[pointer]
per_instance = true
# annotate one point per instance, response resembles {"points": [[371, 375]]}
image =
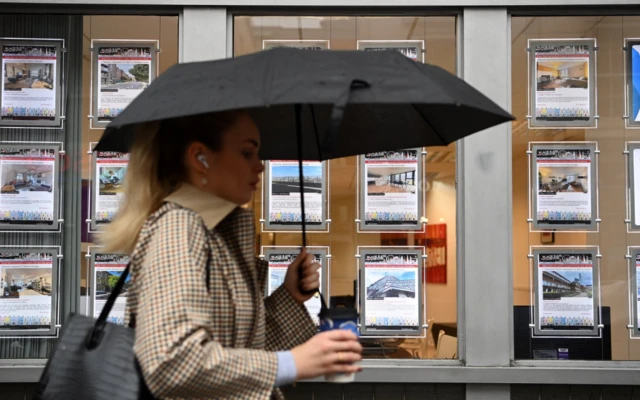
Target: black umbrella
{"points": [[318, 105]]}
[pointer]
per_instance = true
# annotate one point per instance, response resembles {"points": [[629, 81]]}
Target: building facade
{"points": [[521, 230]]}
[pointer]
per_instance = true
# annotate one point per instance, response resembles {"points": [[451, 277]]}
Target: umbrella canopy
{"points": [[349, 102], [311, 105]]}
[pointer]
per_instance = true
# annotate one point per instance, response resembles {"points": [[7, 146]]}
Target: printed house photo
{"points": [[28, 76], [391, 180], [389, 283], [18, 178], [112, 179], [123, 76], [106, 281], [552, 180], [568, 74], [18, 283], [557, 285], [285, 179]]}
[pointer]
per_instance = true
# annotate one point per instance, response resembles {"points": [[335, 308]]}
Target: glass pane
{"points": [[128, 61], [557, 187], [436, 35]]}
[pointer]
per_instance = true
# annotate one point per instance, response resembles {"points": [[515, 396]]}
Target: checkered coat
{"points": [[218, 345]]}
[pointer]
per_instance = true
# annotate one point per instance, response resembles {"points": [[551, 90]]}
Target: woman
{"points": [[203, 327]]}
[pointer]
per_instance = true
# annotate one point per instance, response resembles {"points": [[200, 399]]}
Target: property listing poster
{"points": [[391, 195], [124, 74], [110, 170], [28, 185], [634, 83], [392, 297], [563, 181], [635, 154], [29, 83], [637, 292], [278, 264], [562, 82], [284, 192], [565, 291], [26, 283], [316, 45], [410, 49], [107, 270]]}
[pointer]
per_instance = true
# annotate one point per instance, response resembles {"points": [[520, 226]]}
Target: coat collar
{"points": [[212, 209]]}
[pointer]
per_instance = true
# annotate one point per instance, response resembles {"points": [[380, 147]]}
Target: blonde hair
{"points": [[156, 168]]}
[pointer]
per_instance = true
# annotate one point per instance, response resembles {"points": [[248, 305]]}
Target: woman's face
{"points": [[234, 171]]}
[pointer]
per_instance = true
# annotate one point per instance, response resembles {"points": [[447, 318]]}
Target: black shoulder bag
{"points": [[94, 359]]}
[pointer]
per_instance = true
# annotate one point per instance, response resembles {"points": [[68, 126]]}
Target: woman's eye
{"points": [[247, 154]]}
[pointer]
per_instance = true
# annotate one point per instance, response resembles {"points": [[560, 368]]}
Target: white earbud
{"points": [[203, 160]]}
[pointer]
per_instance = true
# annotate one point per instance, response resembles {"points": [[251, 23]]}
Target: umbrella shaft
{"points": [[298, 109]]}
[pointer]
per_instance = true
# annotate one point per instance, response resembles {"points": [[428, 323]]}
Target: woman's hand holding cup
{"points": [[327, 353]]}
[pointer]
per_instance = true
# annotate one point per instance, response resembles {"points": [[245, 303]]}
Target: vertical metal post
{"points": [[485, 185]]}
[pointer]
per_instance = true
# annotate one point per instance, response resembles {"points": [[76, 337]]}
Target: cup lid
{"points": [[339, 313]]}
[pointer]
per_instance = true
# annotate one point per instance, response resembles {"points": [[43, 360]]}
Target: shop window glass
{"points": [[425, 39], [574, 80], [121, 55]]}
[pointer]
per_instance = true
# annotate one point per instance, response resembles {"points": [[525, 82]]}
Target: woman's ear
{"points": [[198, 157]]}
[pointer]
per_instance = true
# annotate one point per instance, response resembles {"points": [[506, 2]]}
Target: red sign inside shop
{"points": [[434, 239]]}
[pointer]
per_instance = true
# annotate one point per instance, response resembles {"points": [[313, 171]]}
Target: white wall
{"points": [[441, 208]]}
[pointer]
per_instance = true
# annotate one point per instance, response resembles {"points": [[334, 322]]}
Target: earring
{"points": [[203, 181]]}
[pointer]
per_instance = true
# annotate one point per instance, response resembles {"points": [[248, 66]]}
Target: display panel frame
{"points": [[594, 252], [56, 188], [633, 261], [594, 221], [56, 257], [537, 123], [361, 296], [633, 212], [325, 262], [59, 83], [96, 46], [630, 113], [363, 45], [96, 225], [361, 211], [322, 227], [268, 44], [93, 253]]}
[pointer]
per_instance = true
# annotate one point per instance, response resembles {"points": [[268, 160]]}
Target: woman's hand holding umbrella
{"points": [[303, 278]]}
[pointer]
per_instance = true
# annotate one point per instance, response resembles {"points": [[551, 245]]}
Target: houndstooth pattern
{"points": [[217, 345]]}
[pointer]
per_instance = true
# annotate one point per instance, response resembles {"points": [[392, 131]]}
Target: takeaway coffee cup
{"points": [[339, 318]]}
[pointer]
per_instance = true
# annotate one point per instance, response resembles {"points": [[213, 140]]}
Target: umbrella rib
{"points": [[426, 120]]}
